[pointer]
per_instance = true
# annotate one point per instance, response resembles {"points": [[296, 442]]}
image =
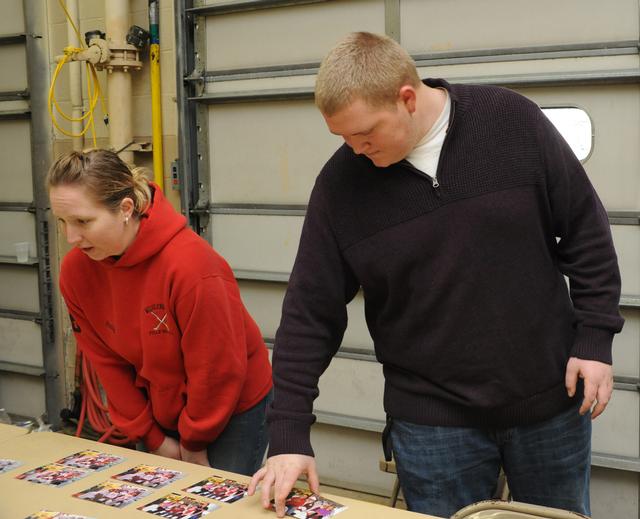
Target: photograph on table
{"points": [[175, 506], [113, 493], [304, 504], [219, 488], [48, 514], [90, 459], [53, 474], [6, 465], [149, 476]]}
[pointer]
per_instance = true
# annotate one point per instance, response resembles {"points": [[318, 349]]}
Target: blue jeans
{"points": [[443, 469], [241, 446]]}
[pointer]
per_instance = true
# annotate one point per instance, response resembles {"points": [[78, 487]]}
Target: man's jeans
{"points": [[443, 469]]}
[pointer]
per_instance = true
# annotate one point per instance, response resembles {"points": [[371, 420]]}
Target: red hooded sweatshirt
{"points": [[167, 333]]}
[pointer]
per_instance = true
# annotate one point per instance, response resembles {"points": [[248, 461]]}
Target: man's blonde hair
{"points": [[367, 66]]}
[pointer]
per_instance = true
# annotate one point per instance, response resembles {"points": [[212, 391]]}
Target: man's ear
{"points": [[408, 97]]}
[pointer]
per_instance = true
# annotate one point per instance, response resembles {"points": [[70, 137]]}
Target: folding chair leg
{"points": [[502, 489], [394, 493]]}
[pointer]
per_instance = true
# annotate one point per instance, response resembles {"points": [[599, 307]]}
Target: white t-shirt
{"points": [[426, 153]]}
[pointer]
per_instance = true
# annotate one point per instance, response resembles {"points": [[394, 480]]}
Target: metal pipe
{"points": [[75, 77], [187, 131], [156, 99], [41, 157], [119, 81]]}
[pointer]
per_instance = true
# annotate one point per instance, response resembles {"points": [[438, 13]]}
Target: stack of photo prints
{"points": [[140, 481]]}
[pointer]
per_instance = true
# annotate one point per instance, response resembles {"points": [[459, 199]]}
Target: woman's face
{"points": [[90, 226]]}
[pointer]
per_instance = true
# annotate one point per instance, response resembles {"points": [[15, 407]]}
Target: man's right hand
{"points": [[281, 472], [169, 448]]}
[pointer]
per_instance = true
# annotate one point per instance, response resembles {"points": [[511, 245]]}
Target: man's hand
{"points": [[169, 448], [598, 383], [197, 457], [282, 472]]}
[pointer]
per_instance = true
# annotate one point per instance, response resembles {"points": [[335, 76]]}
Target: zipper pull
{"points": [[435, 183]]}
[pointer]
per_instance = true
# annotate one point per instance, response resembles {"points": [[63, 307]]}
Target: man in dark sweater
{"points": [[458, 210]]}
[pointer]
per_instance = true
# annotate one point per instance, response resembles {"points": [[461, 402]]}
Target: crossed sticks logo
{"points": [[159, 318]]}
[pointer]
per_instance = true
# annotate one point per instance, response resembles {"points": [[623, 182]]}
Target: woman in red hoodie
{"points": [[158, 314]]}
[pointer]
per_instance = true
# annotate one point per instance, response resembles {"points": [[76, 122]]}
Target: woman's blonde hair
{"points": [[107, 178], [363, 66]]}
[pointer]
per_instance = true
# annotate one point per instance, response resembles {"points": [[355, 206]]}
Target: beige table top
{"points": [[8, 432], [19, 498]]}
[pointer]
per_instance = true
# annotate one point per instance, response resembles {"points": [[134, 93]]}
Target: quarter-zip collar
{"points": [[455, 101]]}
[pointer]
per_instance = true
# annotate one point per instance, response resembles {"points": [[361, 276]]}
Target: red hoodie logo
{"points": [[159, 316]]}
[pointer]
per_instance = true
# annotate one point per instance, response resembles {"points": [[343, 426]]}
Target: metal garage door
{"points": [[252, 144], [29, 375]]}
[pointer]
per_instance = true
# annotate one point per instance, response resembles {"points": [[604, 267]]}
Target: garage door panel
{"points": [[284, 165], [22, 394], [15, 157], [264, 303], [16, 227], [12, 19], [626, 354], [21, 342], [614, 493], [289, 145], [613, 164], [428, 26], [353, 388], [348, 458], [14, 59], [502, 66], [626, 239], [19, 288], [257, 242], [616, 430], [228, 88], [274, 33]]}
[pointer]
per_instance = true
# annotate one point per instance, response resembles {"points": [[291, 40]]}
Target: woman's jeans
{"points": [[241, 446], [443, 469]]}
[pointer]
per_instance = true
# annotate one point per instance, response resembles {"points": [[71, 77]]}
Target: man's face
{"points": [[384, 134]]}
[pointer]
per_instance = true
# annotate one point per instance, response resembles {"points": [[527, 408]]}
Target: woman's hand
{"points": [[169, 448], [197, 457]]}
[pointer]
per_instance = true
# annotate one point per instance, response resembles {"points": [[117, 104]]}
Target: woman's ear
{"points": [[127, 207]]}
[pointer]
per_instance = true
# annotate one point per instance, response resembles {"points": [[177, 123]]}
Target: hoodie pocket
{"points": [[167, 403]]}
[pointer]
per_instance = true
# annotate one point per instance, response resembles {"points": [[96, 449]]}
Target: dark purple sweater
{"points": [[464, 292]]}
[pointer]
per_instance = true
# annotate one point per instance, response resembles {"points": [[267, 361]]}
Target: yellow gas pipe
{"points": [[156, 100]]}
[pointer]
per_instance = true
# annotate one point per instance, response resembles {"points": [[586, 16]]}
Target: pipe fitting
{"points": [[123, 57], [97, 53]]}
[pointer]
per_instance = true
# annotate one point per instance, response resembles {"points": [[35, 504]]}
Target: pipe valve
{"points": [[138, 37]]}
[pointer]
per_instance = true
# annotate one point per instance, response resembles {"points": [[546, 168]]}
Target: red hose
{"points": [[93, 406]]}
